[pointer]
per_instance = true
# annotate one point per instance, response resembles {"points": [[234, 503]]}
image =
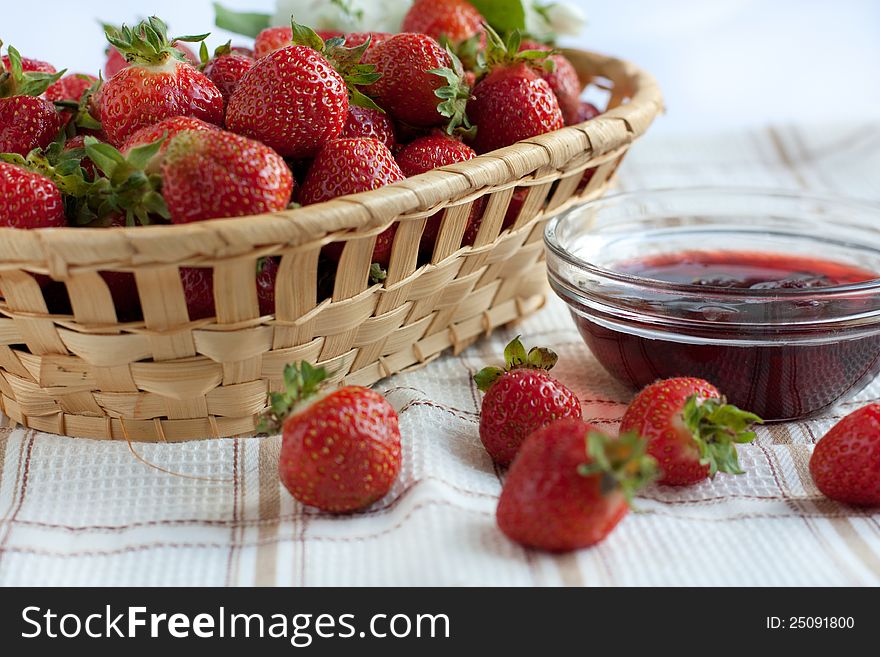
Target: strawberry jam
{"points": [[783, 336]]}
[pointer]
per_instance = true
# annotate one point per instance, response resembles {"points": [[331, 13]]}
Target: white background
{"points": [[721, 63]]}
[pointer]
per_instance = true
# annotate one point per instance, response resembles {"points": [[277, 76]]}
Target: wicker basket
{"points": [[169, 379]]}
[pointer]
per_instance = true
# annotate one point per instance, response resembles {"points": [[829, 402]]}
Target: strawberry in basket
{"points": [[340, 450], [451, 20], [156, 85], [296, 99], [27, 121], [512, 102]]}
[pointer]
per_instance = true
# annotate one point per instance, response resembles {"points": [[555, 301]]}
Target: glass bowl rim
{"points": [[553, 245]]}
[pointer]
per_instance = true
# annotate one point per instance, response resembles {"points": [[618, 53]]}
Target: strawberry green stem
{"points": [[516, 357], [301, 382], [623, 463], [717, 427]]}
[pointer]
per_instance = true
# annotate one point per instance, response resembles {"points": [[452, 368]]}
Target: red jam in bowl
{"points": [[771, 355]]}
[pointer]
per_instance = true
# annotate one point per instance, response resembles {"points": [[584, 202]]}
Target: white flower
{"points": [[343, 15], [556, 18]]}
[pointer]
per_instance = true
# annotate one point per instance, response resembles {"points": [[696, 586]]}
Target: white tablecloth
{"points": [[85, 512]]}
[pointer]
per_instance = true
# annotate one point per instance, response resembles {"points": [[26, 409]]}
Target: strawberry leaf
{"points": [[301, 382], [18, 82], [486, 377], [306, 36], [455, 95], [622, 463], [515, 354], [717, 427]]}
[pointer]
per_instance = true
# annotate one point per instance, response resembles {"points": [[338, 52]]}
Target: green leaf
{"points": [[356, 97], [717, 427], [515, 354], [140, 156], [486, 377], [542, 358], [241, 22], [301, 381], [377, 274], [503, 15], [306, 36]]}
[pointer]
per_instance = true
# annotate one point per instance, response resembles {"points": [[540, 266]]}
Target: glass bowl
{"points": [[784, 354]]}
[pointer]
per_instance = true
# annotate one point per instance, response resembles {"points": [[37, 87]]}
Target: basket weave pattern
{"points": [[168, 379]]}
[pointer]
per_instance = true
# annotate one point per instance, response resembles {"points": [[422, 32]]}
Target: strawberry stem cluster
{"points": [[623, 462], [516, 357], [148, 42], [302, 381], [717, 428]]}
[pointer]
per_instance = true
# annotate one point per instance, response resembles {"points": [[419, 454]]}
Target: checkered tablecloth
{"points": [[80, 512]]}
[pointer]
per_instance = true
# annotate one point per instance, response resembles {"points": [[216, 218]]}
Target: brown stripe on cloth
{"points": [[270, 511], [20, 488], [800, 455]]}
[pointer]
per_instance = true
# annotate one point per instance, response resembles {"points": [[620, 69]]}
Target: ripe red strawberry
{"points": [[845, 464], [563, 79], [212, 174], [690, 429], [349, 166], [512, 102], [586, 111], [157, 84], [340, 452], [272, 39], [26, 121], [421, 84], [28, 200], [370, 124], [570, 485], [455, 20], [294, 99], [29, 65], [431, 152], [226, 69], [198, 289], [520, 399], [167, 128]]}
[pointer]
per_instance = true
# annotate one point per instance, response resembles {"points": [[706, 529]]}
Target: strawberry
{"points": [[28, 200], [211, 174], [157, 84], [690, 429], [349, 166], [563, 79], [198, 289], [226, 69], [421, 84], [845, 464], [29, 65], [431, 152], [26, 121], [520, 398], [369, 123], [570, 485], [70, 89], [167, 128], [294, 99], [272, 39], [586, 111], [340, 451], [512, 102], [453, 20]]}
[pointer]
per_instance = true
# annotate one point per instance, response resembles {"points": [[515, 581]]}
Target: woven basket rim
{"points": [[51, 248]]}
